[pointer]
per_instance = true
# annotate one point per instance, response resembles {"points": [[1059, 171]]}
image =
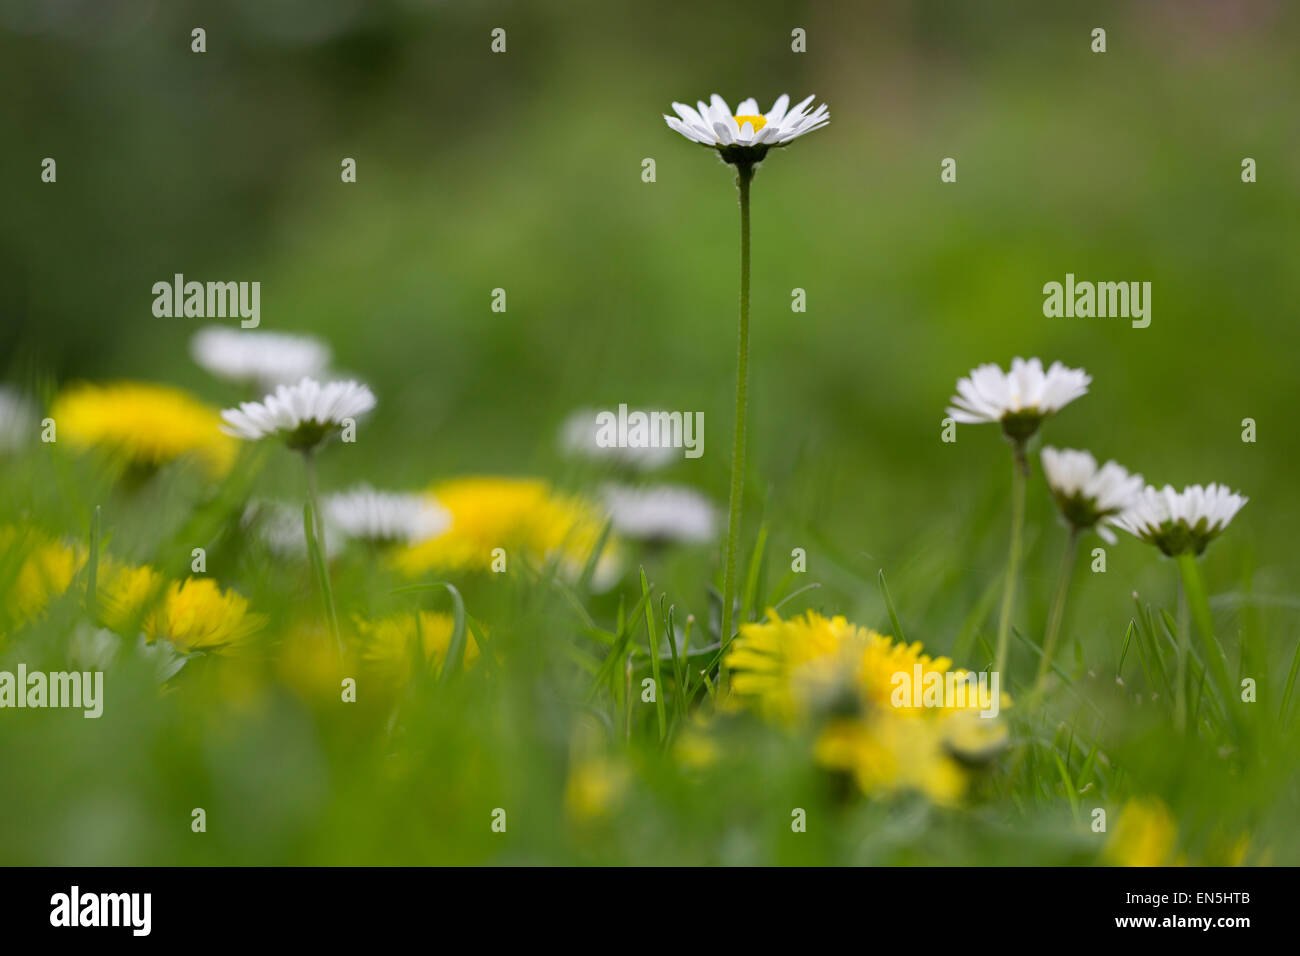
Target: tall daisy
{"points": [[1089, 498], [304, 416], [1020, 401], [742, 139], [1182, 524]]}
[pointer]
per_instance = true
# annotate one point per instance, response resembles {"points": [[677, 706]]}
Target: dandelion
{"points": [[660, 513], [386, 517], [47, 569], [193, 615], [813, 668], [393, 646], [258, 358], [1089, 499], [1146, 834], [1018, 400], [578, 438], [17, 420], [494, 517], [304, 416], [1182, 525], [742, 139], [147, 425]]}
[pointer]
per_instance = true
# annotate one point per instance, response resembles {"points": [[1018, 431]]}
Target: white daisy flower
{"points": [[386, 516], [279, 526], [17, 420], [1020, 399], [747, 134], [660, 513], [578, 437], [1089, 497], [1179, 522], [303, 415], [264, 359]]}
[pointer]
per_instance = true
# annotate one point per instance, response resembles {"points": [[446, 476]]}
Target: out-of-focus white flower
{"points": [[302, 415], [748, 129], [661, 513], [264, 359], [1089, 497], [386, 516], [17, 420], [96, 648], [1180, 522], [1018, 400], [279, 526], [579, 438]]}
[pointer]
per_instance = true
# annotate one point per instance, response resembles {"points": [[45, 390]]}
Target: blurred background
{"points": [[522, 171]]}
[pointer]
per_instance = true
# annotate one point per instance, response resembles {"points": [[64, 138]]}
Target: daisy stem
{"points": [[1019, 477], [1057, 612], [1195, 598], [1184, 642], [744, 175], [316, 546]]}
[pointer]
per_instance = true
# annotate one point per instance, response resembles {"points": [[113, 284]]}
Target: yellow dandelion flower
{"points": [[308, 661], [148, 425], [126, 593], [47, 570], [197, 615], [892, 755], [388, 644], [595, 788], [517, 514], [1146, 834]]}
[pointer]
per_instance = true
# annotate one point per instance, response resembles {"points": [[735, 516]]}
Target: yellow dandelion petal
{"points": [[388, 644], [1145, 834], [197, 615]]}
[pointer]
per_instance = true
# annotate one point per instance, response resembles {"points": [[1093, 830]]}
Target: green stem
{"points": [[1184, 649], [744, 174], [1198, 602], [1019, 476], [1057, 612], [316, 545]]}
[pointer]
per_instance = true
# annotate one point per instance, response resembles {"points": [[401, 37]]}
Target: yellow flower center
{"points": [[758, 121]]}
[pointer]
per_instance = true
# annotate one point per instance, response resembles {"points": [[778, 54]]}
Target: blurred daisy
{"points": [[747, 134], [578, 437], [386, 516], [1089, 497], [1181, 522], [263, 359], [1018, 400], [302, 415], [279, 526], [17, 420], [660, 513], [94, 648], [148, 425]]}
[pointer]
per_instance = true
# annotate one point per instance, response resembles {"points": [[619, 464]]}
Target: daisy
{"points": [[264, 359], [279, 525], [1089, 497], [578, 437], [746, 135], [17, 420], [303, 415], [660, 513], [742, 139], [1020, 399], [387, 516], [1181, 522]]}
